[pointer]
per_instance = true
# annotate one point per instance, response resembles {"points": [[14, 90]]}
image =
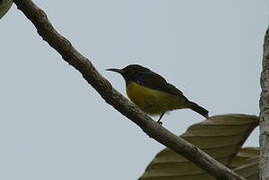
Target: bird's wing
{"points": [[155, 81]]}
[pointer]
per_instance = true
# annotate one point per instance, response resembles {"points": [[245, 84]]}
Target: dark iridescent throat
{"points": [[136, 77]]}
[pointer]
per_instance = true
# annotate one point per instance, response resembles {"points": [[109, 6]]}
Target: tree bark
{"points": [[118, 101], [264, 112]]}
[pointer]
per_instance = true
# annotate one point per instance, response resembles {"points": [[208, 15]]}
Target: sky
{"points": [[53, 125]]}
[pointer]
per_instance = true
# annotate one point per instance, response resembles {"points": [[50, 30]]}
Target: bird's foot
{"points": [[159, 120]]}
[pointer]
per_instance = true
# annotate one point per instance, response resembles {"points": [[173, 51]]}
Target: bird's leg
{"points": [[159, 120]]}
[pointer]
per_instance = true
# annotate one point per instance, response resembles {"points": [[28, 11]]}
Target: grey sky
{"points": [[53, 125]]}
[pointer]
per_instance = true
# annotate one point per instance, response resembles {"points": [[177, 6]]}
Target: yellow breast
{"points": [[152, 101]]}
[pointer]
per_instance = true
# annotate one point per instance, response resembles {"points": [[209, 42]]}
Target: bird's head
{"points": [[131, 72]]}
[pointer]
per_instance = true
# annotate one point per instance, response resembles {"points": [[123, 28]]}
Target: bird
{"points": [[153, 94]]}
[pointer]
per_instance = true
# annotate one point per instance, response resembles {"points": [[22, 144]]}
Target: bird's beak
{"points": [[116, 70]]}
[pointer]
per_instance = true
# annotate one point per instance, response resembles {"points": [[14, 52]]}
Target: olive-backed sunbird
{"points": [[152, 93]]}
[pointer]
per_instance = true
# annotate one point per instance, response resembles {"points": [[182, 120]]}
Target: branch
{"points": [[264, 112], [118, 101]]}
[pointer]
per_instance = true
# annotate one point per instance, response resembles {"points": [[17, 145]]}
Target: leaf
{"points": [[4, 7], [220, 136], [246, 163]]}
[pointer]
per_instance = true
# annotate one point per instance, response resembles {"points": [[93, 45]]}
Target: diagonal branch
{"points": [[118, 101]]}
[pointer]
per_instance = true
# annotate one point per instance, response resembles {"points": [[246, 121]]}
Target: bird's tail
{"points": [[195, 107]]}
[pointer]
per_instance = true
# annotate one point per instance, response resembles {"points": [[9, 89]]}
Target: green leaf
{"points": [[4, 7], [246, 163], [220, 136]]}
